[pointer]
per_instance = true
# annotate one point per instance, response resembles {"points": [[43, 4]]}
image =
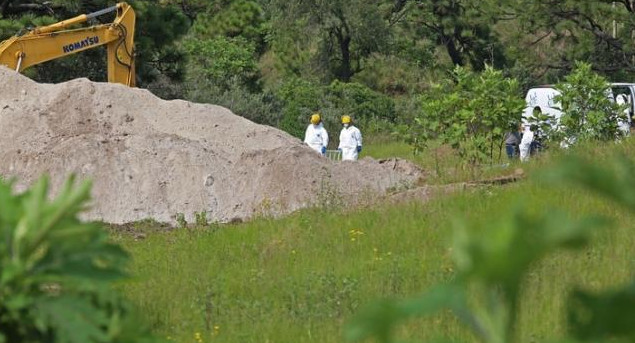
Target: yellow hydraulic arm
{"points": [[54, 41]]}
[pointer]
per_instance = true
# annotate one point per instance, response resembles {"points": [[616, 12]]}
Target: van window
{"points": [[625, 91], [626, 96]]}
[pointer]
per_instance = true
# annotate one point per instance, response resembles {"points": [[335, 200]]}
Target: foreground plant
{"points": [[606, 315], [491, 263], [56, 272]]}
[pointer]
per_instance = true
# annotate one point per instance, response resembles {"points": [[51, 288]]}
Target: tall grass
{"points": [[300, 278], [440, 161]]}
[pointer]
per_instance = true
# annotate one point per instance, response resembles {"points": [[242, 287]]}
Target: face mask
{"points": [[345, 125]]}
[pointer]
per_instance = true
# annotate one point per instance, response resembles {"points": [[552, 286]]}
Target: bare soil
{"points": [[150, 158]]}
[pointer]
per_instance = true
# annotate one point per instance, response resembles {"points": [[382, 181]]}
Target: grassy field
{"points": [[301, 278]]}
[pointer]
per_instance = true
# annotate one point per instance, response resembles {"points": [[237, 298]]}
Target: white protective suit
{"points": [[525, 143], [316, 137], [350, 139], [624, 125]]}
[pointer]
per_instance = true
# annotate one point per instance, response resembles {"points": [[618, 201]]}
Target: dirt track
{"points": [[151, 158]]}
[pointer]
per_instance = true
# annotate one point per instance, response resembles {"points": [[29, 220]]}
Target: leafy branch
{"points": [[56, 272]]}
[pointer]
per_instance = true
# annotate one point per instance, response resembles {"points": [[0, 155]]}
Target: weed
{"points": [[329, 197], [180, 220], [201, 218], [401, 186]]}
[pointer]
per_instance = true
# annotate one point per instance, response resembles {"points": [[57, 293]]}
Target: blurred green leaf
{"points": [[379, 319], [604, 315], [56, 272], [75, 320], [501, 252], [492, 259], [614, 179]]}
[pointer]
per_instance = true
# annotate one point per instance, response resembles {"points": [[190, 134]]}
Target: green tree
{"points": [[360, 102], [223, 47], [158, 28], [471, 114], [463, 28], [224, 71], [397, 76], [551, 35], [300, 98], [191, 8], [220, 60], [13, 8], [342, 33], [588, 112], [242, 18]]}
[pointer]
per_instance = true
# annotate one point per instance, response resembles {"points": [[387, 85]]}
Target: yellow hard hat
{"points": [[346, 119], [315, 118]]}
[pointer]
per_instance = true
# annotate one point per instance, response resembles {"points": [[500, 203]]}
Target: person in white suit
{"points": [[624, 124], [350, 140], [525, 142], [316, 136]]}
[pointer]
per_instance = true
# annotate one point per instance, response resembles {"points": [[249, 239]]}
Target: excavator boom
{"points": [[55, 41]]}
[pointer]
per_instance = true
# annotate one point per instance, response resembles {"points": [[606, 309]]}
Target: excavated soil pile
{"points": [[150, 158]]}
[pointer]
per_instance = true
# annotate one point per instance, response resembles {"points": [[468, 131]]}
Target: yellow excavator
{"points": [[57, 40]]}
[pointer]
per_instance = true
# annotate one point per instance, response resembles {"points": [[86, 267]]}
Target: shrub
{"points": [[299, 99], [259, 107], [395, 75], [360, 102], [220, 62]]}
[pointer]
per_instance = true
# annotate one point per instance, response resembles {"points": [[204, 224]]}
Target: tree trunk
{"points": [[455, 54], [346, 71], [442, 10], [3, 7]]}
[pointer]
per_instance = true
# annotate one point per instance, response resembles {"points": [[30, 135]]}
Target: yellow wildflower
{"points": [[354, 234]]}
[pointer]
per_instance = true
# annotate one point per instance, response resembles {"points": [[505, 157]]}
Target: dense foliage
{"points": [[246, 54]]}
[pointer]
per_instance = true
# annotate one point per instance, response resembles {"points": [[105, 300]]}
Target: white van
{"points": [[542, 97]]}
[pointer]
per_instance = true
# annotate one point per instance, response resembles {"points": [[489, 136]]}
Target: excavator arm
{"points": [[55, 41]]}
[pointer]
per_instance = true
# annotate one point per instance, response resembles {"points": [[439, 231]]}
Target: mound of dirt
{"points": [[150, 158]]}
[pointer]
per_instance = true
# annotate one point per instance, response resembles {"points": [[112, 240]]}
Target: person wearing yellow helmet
{"points": [[316, 136], [350, 140]]}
